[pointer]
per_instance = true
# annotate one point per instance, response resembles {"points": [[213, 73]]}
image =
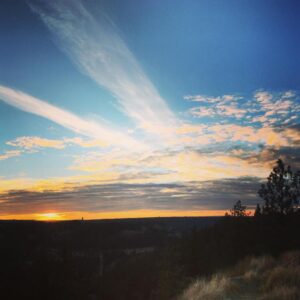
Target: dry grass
{"points": [[282, 293], [252, 267], [285, 276], [218, 287], [262, 278]]}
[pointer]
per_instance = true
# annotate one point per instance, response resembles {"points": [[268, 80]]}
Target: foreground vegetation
{"points": [[261, 278]]}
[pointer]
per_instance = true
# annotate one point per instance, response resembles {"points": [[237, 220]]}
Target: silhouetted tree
{"points": [[281, 192], [238, 210], [257, 212]]}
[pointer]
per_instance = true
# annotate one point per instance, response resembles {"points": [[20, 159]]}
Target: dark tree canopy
{"points": [[238, 210], [281, 192]]}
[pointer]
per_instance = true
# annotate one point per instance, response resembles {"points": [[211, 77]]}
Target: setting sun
{"points": [[49, 216]]}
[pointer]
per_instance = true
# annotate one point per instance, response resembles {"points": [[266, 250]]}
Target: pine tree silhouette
{"points": [[238, 210], [257, 212], [281, 192]]}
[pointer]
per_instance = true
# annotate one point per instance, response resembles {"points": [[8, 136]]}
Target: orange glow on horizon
{"points": [[52, 216], [77, 215]]}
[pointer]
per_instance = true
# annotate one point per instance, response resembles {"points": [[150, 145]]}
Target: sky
{"points": [[119, 109]]}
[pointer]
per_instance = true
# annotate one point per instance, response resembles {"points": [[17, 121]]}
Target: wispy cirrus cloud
{"points": [[35, 142], [89, 128], [95, 46], [10, 154]]}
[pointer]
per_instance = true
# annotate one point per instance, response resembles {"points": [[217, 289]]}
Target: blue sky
{"points": [[162, 99]]}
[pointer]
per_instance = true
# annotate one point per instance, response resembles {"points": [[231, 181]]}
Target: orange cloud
{"points": [[33, 142]]}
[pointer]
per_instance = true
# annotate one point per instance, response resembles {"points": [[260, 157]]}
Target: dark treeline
{"points": [[140, 259], [112, 259]]}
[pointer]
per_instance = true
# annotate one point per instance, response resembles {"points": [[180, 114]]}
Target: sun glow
{"points": [[143, 213], [52, 216]]}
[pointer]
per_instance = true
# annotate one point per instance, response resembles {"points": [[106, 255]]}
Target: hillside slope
{"points": [[262, 278]]}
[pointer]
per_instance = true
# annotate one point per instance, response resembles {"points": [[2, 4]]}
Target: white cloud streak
{"points": [[35, 142], [10, 154], [95, 46], [66, 119]]}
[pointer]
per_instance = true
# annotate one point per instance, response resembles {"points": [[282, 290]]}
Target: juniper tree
{"points": [[281, 192]]}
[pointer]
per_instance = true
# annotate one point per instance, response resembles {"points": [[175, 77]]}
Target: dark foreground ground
{"points": [[154, 258], [101, 259]]}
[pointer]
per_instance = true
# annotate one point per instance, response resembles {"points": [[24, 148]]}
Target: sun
{"points": [[52, 216]]}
